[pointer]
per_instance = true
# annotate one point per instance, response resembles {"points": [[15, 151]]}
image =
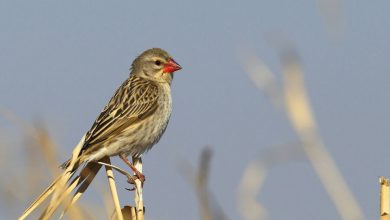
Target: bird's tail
{"points": [[60, 180], [66, 164], [61, 187]]}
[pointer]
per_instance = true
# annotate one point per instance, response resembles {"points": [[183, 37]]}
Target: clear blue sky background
{"points": [[62, 61]]}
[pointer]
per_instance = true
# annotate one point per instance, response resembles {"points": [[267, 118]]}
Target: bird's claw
{"points": [[139, 176]]}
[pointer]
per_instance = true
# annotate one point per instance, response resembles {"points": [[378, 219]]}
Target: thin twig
{"points": [[120, 170]]}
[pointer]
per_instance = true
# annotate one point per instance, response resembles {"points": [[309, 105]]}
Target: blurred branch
{"points": [[39, 145], [254, 176], [46, 147], [208, 207], [298, 110], [261, 75], [201, 185], [250, 186]]}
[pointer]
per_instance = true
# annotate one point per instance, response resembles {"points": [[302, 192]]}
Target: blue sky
{"points": [[62, 60]]}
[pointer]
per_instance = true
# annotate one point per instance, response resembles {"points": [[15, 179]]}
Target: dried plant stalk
{"points": [[384, 198], [138, 198], [128, 213], [114, 193]]}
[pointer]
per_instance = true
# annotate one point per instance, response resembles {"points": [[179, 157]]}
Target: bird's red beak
{"points": [[171, 66]]}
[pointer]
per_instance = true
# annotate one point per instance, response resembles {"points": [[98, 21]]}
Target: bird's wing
{"points": [[134, 100]]}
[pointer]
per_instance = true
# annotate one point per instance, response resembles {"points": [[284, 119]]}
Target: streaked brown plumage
{"points": [[131, 123], [137, 115]]}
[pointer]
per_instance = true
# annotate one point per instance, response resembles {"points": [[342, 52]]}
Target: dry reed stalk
{"points": [[384, 198], [114, 193], [129, 213], [138, 197]]}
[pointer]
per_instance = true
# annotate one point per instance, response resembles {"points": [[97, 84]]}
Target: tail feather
{"points": [[87, 174], [40, 199], [46, 193], [65, 164], [59, 182], [63, 197]]}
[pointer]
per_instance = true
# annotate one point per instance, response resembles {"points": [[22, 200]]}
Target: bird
{"points": [[130, 124], [136, 116]]}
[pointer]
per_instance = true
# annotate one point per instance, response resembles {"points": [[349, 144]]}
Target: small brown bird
{"points": [[137, 115], [131, 123]]}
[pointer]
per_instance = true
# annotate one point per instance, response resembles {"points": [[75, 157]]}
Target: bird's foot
{"points": [[141, 177], [138, 174], [131, 180]]}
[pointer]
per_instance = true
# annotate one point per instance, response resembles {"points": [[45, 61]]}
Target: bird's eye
{"points": [[157, 62]]}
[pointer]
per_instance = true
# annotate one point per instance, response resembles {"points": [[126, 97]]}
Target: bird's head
{"points": [[155, 64]]}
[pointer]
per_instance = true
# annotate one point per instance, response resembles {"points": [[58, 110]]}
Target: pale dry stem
{"points": [[138, 196], [384, 198], [114, 193]]}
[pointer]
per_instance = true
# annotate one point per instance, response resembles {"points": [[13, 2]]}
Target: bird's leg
{"points": [[138, 174]]}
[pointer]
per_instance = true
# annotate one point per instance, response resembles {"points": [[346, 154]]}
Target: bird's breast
{"points": [[151, 129]]}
